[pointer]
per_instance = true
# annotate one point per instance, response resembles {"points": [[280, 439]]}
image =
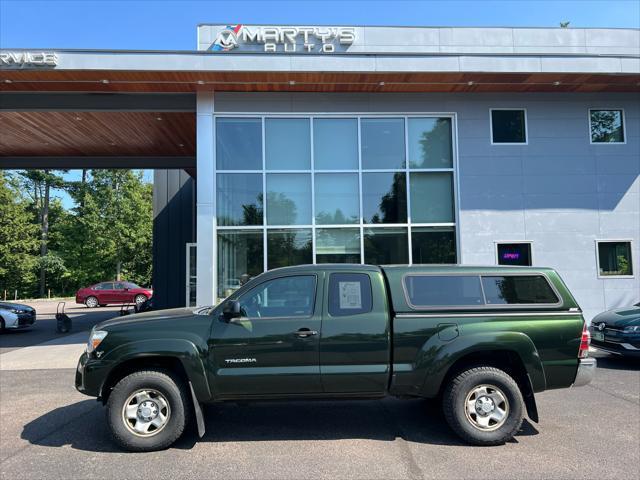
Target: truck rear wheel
{"points": [[148, 410], [484, 406]]}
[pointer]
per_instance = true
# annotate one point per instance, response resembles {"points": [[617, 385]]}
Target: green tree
{"points": [[110, 234], [38, 184], [18, 239]]}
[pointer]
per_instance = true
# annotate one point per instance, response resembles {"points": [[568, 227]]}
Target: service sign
{"points": [[10, 59], [285, 39]]}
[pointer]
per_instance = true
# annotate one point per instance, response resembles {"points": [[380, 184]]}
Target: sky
{"points": [[171, 25]]}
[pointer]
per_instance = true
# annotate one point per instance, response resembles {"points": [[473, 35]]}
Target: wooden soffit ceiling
{"points": [[97, 133], [170, 81]]}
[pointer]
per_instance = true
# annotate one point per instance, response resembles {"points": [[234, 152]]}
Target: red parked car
{"points": [[104, 293]]}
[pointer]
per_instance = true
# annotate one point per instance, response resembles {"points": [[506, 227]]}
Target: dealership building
{"points": [[284, 145]]}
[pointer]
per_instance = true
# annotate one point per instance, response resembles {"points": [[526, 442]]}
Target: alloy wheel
{"points": [[486, 407], [146, 412]]}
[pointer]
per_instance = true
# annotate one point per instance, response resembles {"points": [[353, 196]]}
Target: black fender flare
{"points": [[185, 351]]}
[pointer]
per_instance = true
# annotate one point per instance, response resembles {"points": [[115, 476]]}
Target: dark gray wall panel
{"points": [[173, 227]]}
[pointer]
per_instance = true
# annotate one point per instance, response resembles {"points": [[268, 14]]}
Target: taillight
{"points": [[583, 351]]}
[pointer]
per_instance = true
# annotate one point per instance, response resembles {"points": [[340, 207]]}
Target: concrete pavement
{"points": [[54, 354]]}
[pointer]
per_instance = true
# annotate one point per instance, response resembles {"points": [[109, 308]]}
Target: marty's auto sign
{"points": [[283, 39]]}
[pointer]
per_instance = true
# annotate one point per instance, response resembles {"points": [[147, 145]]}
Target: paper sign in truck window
{"points": [[350, 295]]}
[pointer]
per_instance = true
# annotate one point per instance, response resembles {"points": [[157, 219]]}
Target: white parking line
{"points": [[54, 354]]}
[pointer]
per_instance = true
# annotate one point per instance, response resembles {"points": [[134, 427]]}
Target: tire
{"points": [[162, 388], [91, 302], [1, 324], [140, 299], [479, 396]]}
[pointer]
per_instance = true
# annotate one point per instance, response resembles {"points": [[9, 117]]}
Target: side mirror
{"points": [[231, 310]]}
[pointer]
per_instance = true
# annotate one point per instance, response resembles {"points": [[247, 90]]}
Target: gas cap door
{"points": [[447, 331]]}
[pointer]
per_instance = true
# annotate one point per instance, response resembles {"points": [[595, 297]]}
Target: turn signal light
{"points": [[583, 352]]}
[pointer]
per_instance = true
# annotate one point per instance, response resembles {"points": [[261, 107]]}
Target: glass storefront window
{"points": [[239, 199], [287, 143], [431, 197], [288, 199], [384, 197], [433, 245], [335, 143], [382, 143], [238, 143], [337, 199], [386, 246], [430, 143], [338, 245], [192, 277], [275, 207], [240, 258], [286, 247]]}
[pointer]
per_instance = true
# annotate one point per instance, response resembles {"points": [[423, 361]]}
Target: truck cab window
{"points": [[281, 297], [349, 294]]}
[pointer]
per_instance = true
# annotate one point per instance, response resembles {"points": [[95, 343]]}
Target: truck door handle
{"points": [[305, 332]]}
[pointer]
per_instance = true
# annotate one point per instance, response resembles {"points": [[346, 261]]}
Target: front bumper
{"points": [[586, 371], [615, 341], [26, 319], [23, 320], [90, 374]]}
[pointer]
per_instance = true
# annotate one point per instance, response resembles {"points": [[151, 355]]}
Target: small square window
{"points": [[607, 126], [514, 254], [508, 126], [614, 259]]}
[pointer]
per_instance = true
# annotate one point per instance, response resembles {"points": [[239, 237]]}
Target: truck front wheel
{"points": [[148, 410], [484, 406]]}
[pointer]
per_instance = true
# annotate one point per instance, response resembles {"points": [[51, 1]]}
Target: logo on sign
{"points": [[284, 39], [227, 39]]}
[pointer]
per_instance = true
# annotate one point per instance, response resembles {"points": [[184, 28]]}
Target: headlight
{"points": [[95, 338], [632, 329], [15, 310]]}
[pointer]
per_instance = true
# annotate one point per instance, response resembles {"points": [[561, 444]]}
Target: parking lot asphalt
{"points": [[83, 319], [49, 430]]}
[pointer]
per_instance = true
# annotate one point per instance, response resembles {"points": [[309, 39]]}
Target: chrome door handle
{"points": [[305, 332]]}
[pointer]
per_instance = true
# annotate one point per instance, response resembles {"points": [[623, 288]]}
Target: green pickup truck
{"points": [[483, 340]]}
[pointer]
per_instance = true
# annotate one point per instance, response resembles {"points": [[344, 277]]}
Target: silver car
{"points": [[16, 315]]}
